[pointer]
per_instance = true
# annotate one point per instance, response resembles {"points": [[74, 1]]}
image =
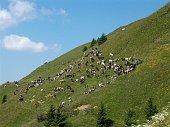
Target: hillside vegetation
{"points": [[146, 40]]}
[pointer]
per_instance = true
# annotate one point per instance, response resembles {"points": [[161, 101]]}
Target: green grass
{"points": [[147, 39]]}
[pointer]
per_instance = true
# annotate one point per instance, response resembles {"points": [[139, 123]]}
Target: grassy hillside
{"points": [[147, 39]]}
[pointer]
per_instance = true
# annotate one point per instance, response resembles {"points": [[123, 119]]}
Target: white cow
{"points": [[111, 54]]}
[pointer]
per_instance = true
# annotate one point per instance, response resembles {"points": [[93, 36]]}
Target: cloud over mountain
{"points": [[22, 43], [16, 12]]}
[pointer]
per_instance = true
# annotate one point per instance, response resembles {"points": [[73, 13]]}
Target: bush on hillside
{"points": [[102, 120], [130, 118], [41, 118], [56, 118], [102, 39], [151, 109], [93, 42], [85, 48], [4, 99]]}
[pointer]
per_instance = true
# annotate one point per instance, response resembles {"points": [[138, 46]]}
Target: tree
{"points": [[102, 39], [4, 99], [50, 117], [93, 42], [151, 109], [101, 116], [60, 119], [41, 118], [55, 119], [130, 118], [85, 48], [102, 120]]}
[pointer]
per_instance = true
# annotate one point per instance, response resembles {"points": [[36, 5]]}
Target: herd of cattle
{"points": [[92, 64]]}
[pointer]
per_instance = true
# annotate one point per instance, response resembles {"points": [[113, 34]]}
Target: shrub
{"points": [[130, 118], [102, 120], [85, 48], [102, 39], [151, 109], [55, 118], [4, 99], [93, 42], [41, 118]]}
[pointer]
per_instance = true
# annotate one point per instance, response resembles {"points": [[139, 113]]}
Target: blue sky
{"points": [[35, 31]]}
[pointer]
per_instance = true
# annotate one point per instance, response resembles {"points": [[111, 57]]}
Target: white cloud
{"points": [[21, 43], [45, 11], [6, 20], [60, 11], [24, 10], [17, 11], [55, 48]]}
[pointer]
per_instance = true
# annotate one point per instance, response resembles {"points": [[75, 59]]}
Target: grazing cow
{"points": [[37, 84], [106, 76], [78, 70], [68, 75], [110, 62], [86, 63], [92, 59], [126, 59], [16, 85], [70, 66], [72, 80], [54, 78], [100, 85], [61, 105], [48, 95], [100, 54], [82, 79], [123, 29], [107, 67], [103, 71], [113, 77], [32, 100], [97, 68], [93, 88], [98, 62], [91, 65], [79, 65], [107, 83], [62, 81], [21, 98], [111, 55], [69, 99], [93, 73], [38, 103], [58, 89]]}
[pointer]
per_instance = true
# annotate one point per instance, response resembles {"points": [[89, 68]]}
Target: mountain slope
{"points": [[147, 39]]}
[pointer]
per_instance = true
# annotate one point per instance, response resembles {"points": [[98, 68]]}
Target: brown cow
{"points": [[61, 81]]}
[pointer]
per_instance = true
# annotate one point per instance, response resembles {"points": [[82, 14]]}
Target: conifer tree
{"points": [[102, 39], [130, 118], [55, 119], [85, 48], [50, 117], [102, 120], [93, 42], [151, 109]]}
